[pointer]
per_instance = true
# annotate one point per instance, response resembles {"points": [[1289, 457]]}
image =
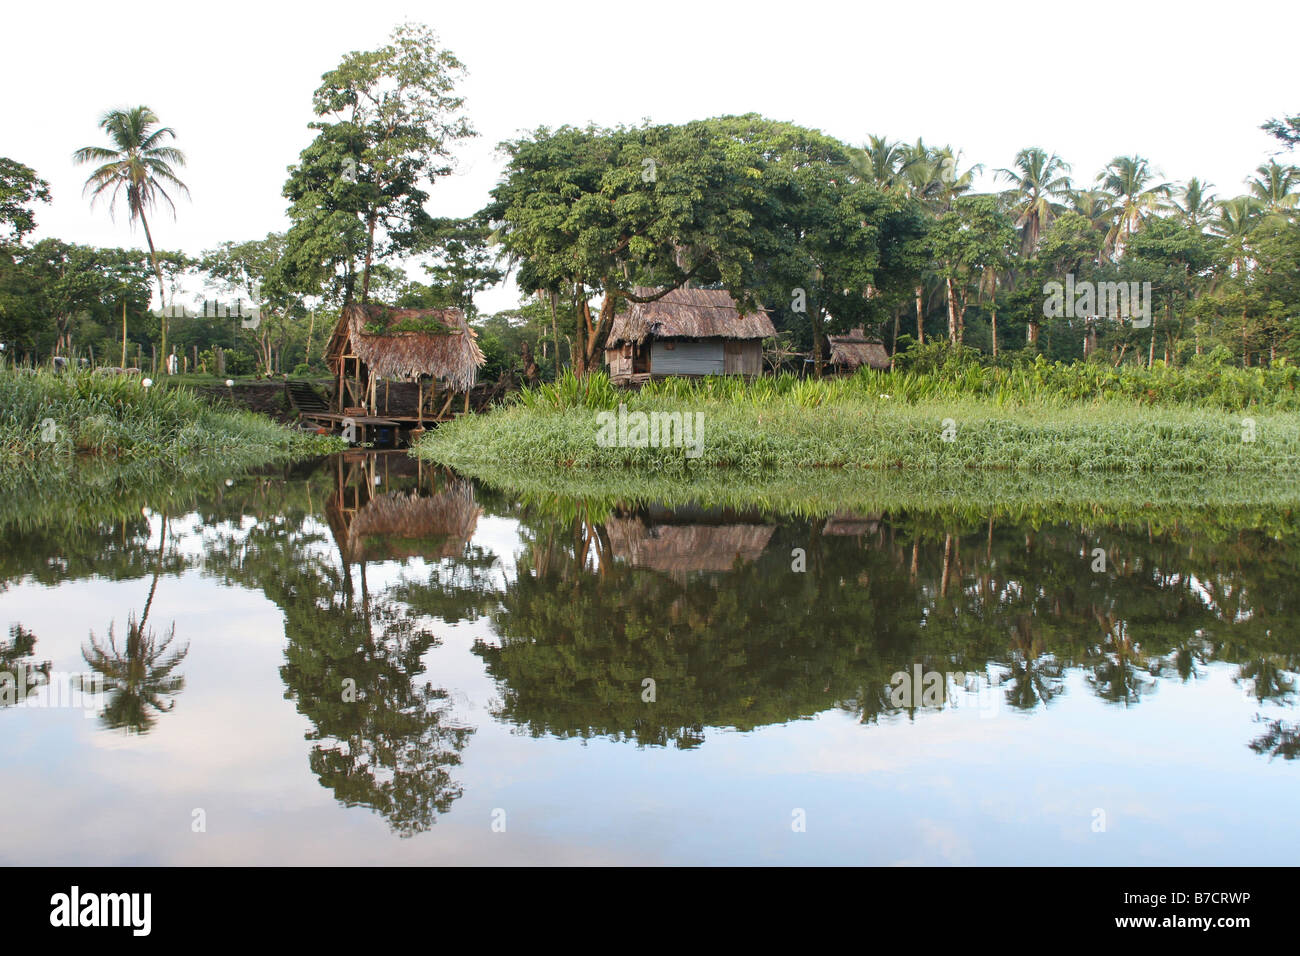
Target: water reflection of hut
{"points": [[848, 524], [680, 549], [372, 522]]}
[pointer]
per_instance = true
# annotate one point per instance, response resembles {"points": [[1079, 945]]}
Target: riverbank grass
{"points": [[854, 424], [54, 423]]}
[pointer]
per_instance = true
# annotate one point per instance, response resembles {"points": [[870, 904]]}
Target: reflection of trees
{"points": [[15, 666], [381, 737], [1035, 674], [702, 601], [601, 602], [138, 676], [740, 648], [1281, 738], [1116, 672]]}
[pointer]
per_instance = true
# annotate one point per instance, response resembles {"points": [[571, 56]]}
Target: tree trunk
{"points": [[162, 289], [819, 338], [994, 313], [920, 315], [370, 254], [311, 328], [1245, 342], [893, 350], [555, 330], [599, 335], [952, 311]]}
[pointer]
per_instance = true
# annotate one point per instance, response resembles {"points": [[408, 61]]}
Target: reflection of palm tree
{"points": [[1115, 677], [1035, 674], [1281, 739], [1268, 677], [138, 675], [20, 645]]}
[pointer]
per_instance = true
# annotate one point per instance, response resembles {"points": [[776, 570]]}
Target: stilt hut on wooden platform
{"points": [[374, 346], [851, 352], [688, 332]]}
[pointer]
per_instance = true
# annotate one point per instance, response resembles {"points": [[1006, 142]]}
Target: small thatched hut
{"points": [[852, 351], [373, 343], [686, 332]]}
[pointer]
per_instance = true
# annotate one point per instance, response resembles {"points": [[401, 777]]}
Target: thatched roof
{"points": [[403, 344], [688, 314], [403, 524], [855, 350], [687, 547]]}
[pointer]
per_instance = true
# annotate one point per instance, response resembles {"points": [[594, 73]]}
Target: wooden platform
{"points": [[392, 421]]}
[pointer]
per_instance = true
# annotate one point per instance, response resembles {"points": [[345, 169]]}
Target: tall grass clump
{"points": [[57, 421]]}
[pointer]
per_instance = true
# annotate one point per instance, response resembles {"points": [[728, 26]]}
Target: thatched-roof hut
{"points": [[374, 342], [687, 332], [855, 350]]}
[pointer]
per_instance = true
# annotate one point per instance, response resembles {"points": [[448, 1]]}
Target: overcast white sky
{"points": [[1183, 84]]}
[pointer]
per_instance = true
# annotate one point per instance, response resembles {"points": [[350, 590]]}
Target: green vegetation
{"points": [[53, 425], [1038, 419]]}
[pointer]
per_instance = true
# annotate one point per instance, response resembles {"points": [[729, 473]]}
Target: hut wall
{"points": [[619, 360], [742, 357], [686, 357]]}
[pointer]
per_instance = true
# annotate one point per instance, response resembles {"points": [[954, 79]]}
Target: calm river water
{"points": [[366, 660]]}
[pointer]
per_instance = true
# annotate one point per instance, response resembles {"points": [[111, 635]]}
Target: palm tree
{"points": [[932, 176], [138, 161], [1041, 180], [1132, 182], [1197, 205], [1097, 207], [1274, 187], [882, 162], [1234, 223]]}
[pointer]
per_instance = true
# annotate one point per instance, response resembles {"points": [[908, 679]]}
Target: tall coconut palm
{"points": [[138, 161], [933, 175], [882, 162], [1196, 205], [1236, 220], [1098, 207], [1275, 189], [1137, 194], [1041, 181]]}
